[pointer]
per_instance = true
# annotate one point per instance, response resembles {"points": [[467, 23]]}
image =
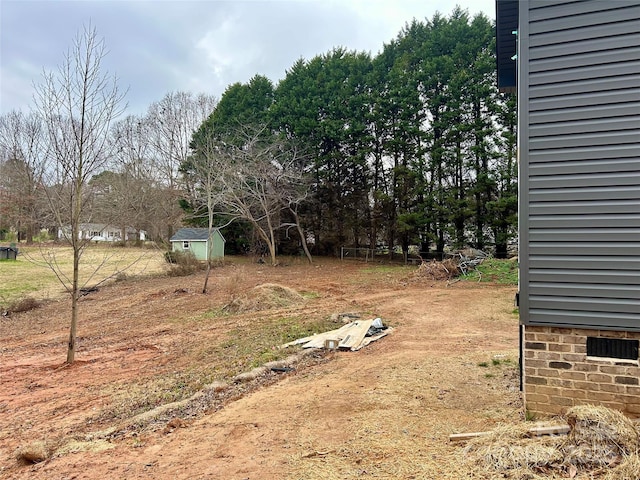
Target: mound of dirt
{"points": [[265, 297]]}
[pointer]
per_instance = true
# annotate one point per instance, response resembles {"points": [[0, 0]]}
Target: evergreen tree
{"points": [[325, 104]]}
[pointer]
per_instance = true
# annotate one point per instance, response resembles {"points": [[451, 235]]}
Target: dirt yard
{"points": [[385, 412]]}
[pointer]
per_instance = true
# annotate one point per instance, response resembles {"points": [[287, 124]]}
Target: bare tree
{"points": [[172, 122], [21, 142], [293, 197], [78, 104], [261, 179], [203, 175], [126, 191]]}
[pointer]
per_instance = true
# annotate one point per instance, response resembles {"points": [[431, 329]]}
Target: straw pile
{"points": [[601, 443], [508, 448], [35, 452], [599, 437], [264, 297]]}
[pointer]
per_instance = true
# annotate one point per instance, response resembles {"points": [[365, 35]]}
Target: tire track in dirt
{"points": [[422, 379]]}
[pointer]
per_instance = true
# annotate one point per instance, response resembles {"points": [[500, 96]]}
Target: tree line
{"points": [[411, 146], [133, 182]]}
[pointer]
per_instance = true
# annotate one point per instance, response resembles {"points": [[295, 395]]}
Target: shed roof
{"points": [[193, 234]]}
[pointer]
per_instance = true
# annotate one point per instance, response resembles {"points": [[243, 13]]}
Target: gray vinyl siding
{"points": [[579, 147]]}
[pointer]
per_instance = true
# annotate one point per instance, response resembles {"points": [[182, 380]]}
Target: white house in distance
{"points": [[101, 232]]}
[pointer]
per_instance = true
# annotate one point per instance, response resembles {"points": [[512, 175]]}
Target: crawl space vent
{"points": [[612, 348]]}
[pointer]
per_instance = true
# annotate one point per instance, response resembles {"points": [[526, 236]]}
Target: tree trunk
{"points": [[75, 294], [71, 347], [501, 235], [440, 243], [206, 277], [303, 240], [272, 253], [269, 239]]}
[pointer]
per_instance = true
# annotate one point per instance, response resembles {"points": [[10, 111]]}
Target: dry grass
{"points": [[629, 469], [233, 284], [208, 398], [509, 448], [599, 437], [41, 451], [235, 357], [31, 274], [23, 305], [35, 452], [75, 446], [396, 433], [602, 443]]}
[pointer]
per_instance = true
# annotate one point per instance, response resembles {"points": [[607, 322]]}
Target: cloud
{"points": [[160, 46]]}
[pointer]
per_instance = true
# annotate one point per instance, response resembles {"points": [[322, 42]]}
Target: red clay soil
{"points": [[385, 411]]}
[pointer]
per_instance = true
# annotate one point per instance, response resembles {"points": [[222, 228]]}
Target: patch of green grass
{"points": [[238, 351], [252, 347], [502, 272], [30, 274], [497, 362], [309, 295], [132, 399], [383, 269], [19, 278], [217, 312]]}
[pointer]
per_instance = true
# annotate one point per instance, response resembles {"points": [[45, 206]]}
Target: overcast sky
{"points": [[159, 46]]}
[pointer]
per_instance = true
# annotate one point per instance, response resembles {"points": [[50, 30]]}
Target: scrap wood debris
{"points": [[468, 259], [597, 441], [351, 336], [457, 263]]}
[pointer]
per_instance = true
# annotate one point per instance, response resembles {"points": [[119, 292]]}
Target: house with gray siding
{"points": [[578, 93]]}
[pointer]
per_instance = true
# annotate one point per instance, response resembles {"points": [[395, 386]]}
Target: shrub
{"points": [[42, 236], [23, 305], [183, 263]]}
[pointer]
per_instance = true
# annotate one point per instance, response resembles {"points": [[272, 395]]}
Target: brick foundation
{"points": [[558, 374]]}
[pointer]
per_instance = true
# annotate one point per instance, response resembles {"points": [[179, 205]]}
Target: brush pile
{"points": [[435, 270], [456, 264], [601, 444]]}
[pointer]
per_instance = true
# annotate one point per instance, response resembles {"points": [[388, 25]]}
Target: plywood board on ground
{"points": [[356, 335]]}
